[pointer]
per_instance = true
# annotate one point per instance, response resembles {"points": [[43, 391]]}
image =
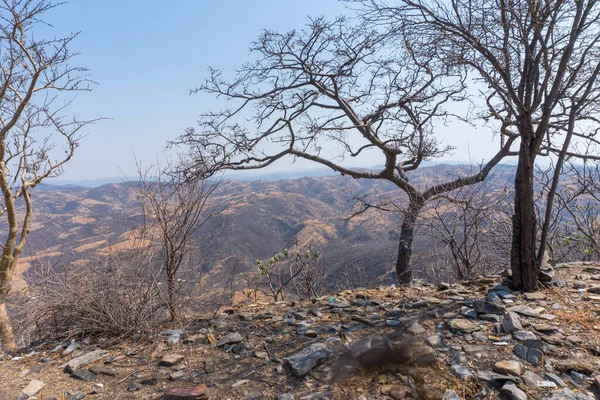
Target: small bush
{"points": [[115, 294]]}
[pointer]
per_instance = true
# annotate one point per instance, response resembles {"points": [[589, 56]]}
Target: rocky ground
{"points": [[471, 340]]}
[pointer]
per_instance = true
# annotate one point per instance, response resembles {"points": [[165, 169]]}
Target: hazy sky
{"points": [[146, 55]]}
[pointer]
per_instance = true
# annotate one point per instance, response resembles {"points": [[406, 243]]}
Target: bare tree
{"points": [[578, 210], [463, 221], [36, 139], [173, 211], [539, 63], [332, 92]]}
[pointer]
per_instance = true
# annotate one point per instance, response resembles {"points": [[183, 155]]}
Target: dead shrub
{"points": [[113, 294]]}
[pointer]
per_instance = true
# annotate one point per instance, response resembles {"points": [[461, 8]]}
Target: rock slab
{"points": [[305, 360], [186, 393], [33, 387], [86, 359]]}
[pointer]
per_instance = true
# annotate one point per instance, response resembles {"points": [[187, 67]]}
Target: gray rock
{"points": [[559, 282], [416, 329], [285, 396], [524, 335], [461, 325], [511, 322], [86, 359], [524, 310], [174, 336], [450, 395], [556, 379], [521, 350], [531, 379], [546, 274], [566, 394], [535, 356], [462, 372], [579, 285], [457, 358], [134, 387], [435, 341], [174, 376], [468, 312], [493, 297], [510, 391], [305, 360], [83, 375], [578, 378], [232, 338], [491, 318], [486, 307]]}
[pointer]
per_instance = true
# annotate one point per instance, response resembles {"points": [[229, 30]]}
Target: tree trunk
{"points": [[7, 339], [171, 297], [525, 270], [403, 267]]}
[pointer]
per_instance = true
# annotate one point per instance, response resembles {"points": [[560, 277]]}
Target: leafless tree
{"points": [[173, 211], [578, 210], [463, 221], [332, 92], [36, 139], [538, 64]]}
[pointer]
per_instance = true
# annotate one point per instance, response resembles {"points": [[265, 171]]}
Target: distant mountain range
{"points": [[74, 223]]}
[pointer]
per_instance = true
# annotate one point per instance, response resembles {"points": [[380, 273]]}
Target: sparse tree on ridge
{"points": [[36, 139], [173, 211], [538, 63], [333, 92]]}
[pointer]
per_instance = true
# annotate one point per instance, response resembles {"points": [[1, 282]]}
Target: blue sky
{"points": [[146, 55]]}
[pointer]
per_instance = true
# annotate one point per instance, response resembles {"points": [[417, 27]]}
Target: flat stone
{"points": [[524, 335], [416, 329], [232, 338], [479, 350], [511, 322], [512, 392], [566, 394], [285, 396], [491, 318], [435, 341], [579, 379], [177, 375], [186, 393], [577, 366], [535, 296], [594, 288], [305, 360], [535, 356], [86, 359], [532, 379], [468, 312], [450, 395], [510, 367], [83, 375], [457, 358], [170, 360], [545, 328], [461, 325], [524, 310], [463, 372], [486, 307], [556, 379], [33, 387]]}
